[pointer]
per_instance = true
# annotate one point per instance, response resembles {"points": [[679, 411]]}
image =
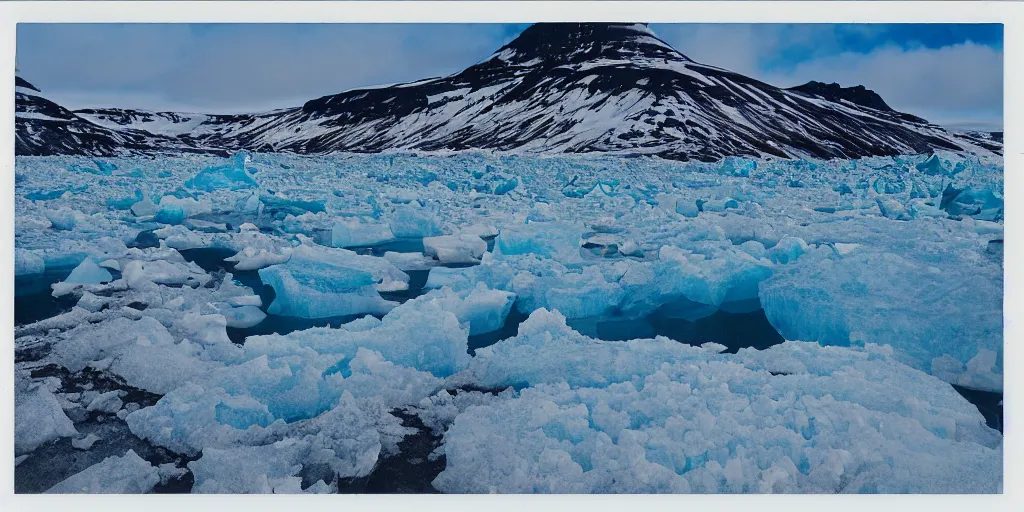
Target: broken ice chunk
{"points": [[597, 417], [460, 248], [111, 264], [174, 210], [232, 176], [40, 417], [143, 274], [62, 219], [168, 471], [787, 250], [85, 443], [129, 474], [87, 272], [893, 209], [145, 208], [255, 469], [243, 317], [631, 248], [484, 309], [410, 260], [409, 222], [356, 233], [606, 225], [844, 249], [252, 258], [687, 208], [549, 239], [575, 295], [316, 285], [109, 402], [27, 263], [92, 302]]}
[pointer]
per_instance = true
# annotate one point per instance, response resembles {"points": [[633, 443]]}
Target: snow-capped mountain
{"points": [[42, 127], [171, 124], [573, 88]]}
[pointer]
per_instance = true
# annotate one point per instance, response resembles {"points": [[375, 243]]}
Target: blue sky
{"points": [[950, 74]]}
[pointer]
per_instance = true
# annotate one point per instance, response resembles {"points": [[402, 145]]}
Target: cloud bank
{"points": [[958, 84]]}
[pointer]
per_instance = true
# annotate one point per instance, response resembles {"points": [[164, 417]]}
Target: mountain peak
{"points": [[21, 82], [559, 44], [556, 88], [834, 92]]}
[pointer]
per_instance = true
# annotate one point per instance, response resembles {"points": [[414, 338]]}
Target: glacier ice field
{"points": [[474, 323]]}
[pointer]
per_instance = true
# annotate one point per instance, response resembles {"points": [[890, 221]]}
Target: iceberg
{"points": [[645, 417], [269, 469], [63, 219], [319, 284], [482, 308], [129, 474], [356, 233], [27, 263], [232, 176], [420, 334], [243, 317], [840, 300], [409, 222], [87, 272], [39, 417], [460, 248], [549, 239]]}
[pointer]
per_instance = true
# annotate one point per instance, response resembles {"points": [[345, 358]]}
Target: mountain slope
{"points": [[171, 124], [42, 127], [587, 88], [575, 88]]}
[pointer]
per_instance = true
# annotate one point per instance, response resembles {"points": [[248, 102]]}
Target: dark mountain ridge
{"points": [[568, 88]]}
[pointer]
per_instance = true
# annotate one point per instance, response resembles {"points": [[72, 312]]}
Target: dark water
{"points": [[145, 240], [734, 330], [212, 260], [413, 245], [508, 330], [417, 280], [410, 472], [988, 404], [277, 324], [58, 459], [33, 299]]}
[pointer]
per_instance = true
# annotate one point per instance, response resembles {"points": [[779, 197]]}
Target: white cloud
{"points": [[940, 84], [959, 85], [239, 67]]}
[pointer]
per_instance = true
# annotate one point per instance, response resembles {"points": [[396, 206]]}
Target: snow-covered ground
{"points": [[504, 323]]}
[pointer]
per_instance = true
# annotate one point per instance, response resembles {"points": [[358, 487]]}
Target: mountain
{"points": [[171, 124], [992, 141], [577, 88], [42, 127], [858, 95]]}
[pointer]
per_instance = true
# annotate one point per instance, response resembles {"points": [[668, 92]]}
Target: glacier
{"points": [[457, 290]]}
